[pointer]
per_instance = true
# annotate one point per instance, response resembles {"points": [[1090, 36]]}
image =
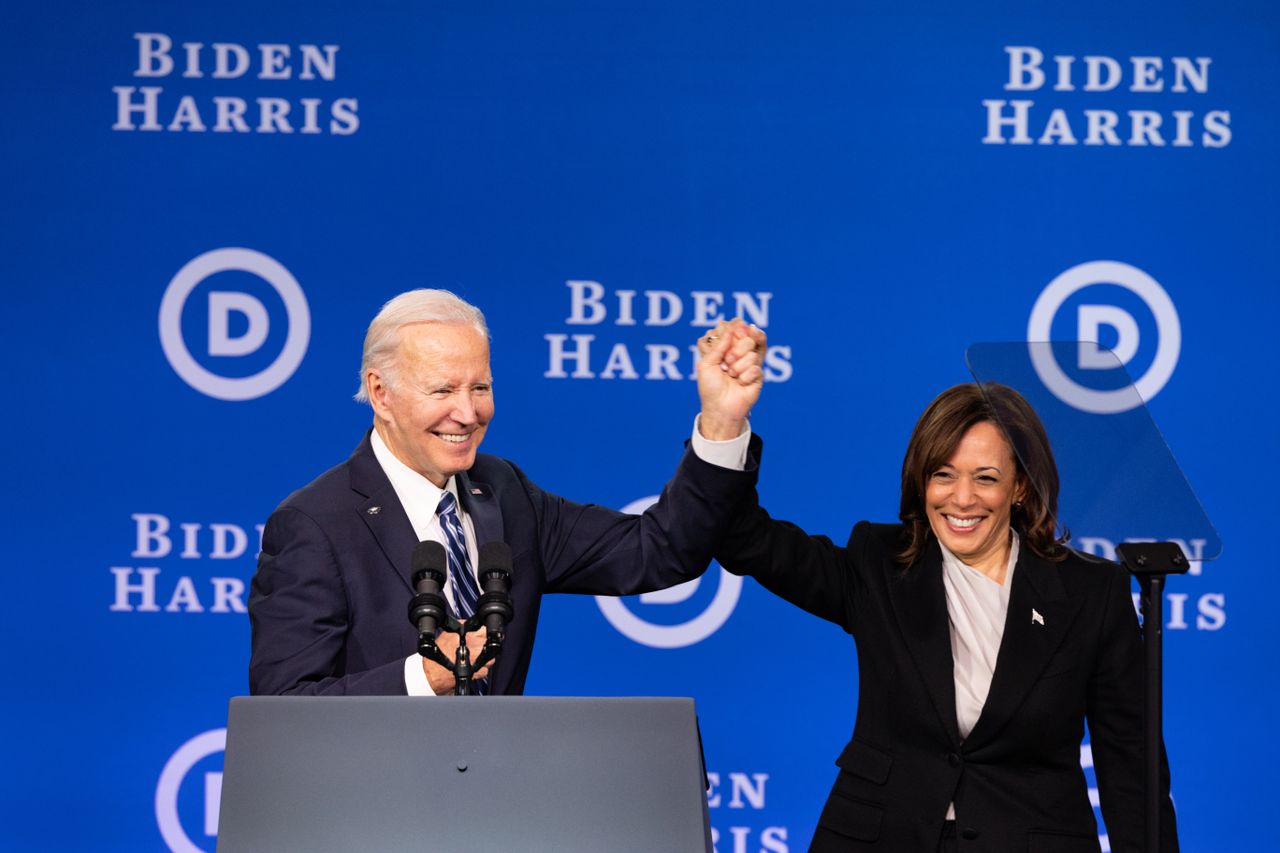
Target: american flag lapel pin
{"points": [[476, 491], [1036, 618]]}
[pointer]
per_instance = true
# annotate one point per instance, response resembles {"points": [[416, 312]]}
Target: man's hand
{"points": [[441, 679], [730, 376]]}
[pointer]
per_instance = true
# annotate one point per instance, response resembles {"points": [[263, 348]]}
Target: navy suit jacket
{"points": [[1016, 780], [328, 604]]}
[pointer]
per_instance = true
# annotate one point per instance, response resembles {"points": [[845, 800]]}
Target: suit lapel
{"points": [[1036, 623], [920, 604], [478, 502], [382, 512]]}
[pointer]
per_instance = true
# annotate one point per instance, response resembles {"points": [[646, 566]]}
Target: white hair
{"points": [[424, 305]]}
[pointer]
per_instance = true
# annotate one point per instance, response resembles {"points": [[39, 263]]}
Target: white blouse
{"points": [[976, 608]]}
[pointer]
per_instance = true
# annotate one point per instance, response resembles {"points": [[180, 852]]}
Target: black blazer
{"points": [[1016, 780], [328, 604]]}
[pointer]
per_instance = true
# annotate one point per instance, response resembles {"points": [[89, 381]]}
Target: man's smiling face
{"points": [[433, 408]]}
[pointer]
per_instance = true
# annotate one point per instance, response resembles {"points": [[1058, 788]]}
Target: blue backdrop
{"points": [[878, 184]]}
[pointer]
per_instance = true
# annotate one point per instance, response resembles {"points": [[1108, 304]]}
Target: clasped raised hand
{"points": [[730, 376]]}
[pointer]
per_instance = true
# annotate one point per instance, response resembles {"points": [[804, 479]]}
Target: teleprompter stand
{"points": [[1120, 482], [399, 773], [1151, 563]]}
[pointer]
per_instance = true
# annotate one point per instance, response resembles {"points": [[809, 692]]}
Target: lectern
{"points": [[482, 773]]}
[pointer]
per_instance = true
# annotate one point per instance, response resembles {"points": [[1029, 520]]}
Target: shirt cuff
{"points": [[415, 677], [731, 454]]}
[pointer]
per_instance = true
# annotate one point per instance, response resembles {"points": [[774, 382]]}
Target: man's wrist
{"points": [[716, 428], [731, 453]]}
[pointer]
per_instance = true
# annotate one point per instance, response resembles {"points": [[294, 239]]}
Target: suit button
{"points": [[954, 760], [969, 833]]}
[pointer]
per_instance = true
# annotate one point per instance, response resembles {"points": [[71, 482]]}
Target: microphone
{"points": [[428, 611], [493, 608]]}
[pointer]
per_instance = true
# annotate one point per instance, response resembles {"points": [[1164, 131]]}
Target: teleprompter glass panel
{"points": [[1119, 480]]}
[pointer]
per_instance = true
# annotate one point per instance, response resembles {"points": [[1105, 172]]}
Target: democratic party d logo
{"points": [[652, 629], [238, 327], [1124, 337], [203, 751]]}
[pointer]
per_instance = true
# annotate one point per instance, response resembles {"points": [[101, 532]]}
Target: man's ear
{"points": [[376, 387]]}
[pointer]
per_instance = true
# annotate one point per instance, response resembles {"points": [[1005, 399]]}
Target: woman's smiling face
{"points": [[969, 499]]}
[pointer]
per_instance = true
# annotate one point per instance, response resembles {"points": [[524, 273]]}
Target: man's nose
{"points": [[464, 411]]}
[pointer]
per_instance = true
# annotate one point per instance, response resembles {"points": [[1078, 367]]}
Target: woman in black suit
{"points": [[984, 645]]}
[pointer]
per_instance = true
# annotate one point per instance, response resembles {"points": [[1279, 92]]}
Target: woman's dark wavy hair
{"points": [[937, 435]]}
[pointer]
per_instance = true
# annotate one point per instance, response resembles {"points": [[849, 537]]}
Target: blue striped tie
{"points": [[465, 589]]}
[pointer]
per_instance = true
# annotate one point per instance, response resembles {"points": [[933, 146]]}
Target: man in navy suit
{"points": [[328, 602]]}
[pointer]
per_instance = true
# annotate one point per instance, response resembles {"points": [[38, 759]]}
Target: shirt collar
{"points": [[411, 487]]}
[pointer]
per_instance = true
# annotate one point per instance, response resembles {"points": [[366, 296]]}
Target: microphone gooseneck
{"points": [[429, 610]]}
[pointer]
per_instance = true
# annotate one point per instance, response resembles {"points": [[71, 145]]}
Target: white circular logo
{"points": [[672, 636], [1090, 319], [221, 305], [175, 772]]}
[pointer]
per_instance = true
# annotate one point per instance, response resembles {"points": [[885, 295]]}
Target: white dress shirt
{"points": [[420, 497]]}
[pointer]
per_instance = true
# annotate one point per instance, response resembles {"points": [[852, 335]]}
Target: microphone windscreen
{"points": [[429, 555], [495, 555]]}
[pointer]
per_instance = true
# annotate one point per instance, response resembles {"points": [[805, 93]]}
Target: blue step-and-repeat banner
{"points": [[205, 204]]}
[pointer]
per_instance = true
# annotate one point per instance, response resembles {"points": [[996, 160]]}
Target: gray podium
{"points": [[493, 773]]}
